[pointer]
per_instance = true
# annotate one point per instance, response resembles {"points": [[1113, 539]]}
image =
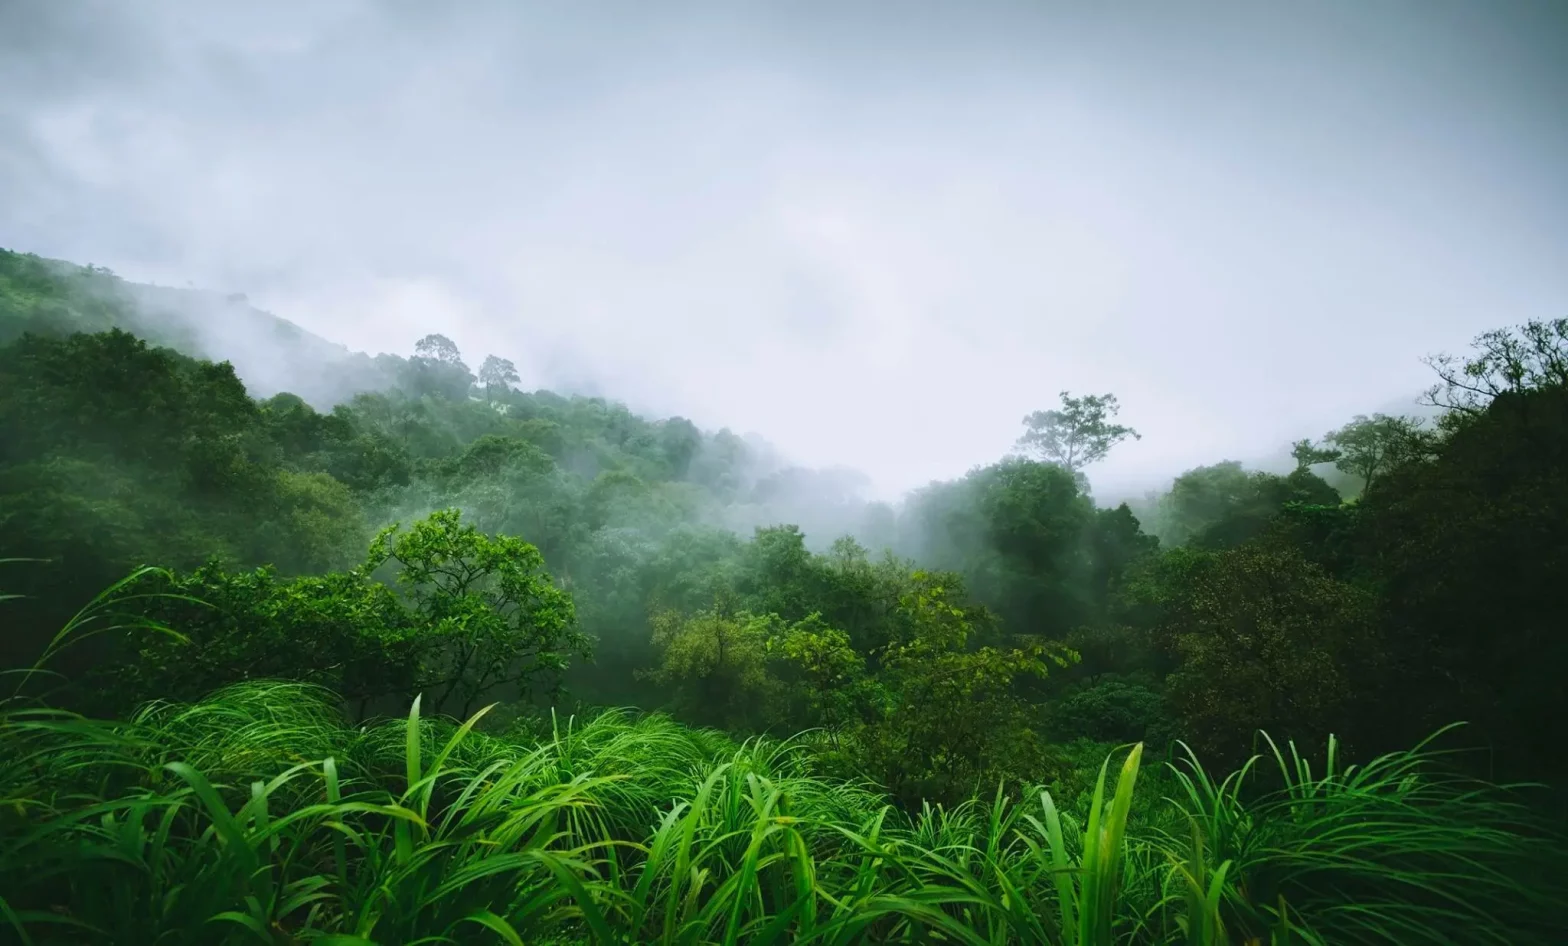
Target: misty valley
{"points": [[412, 655]]}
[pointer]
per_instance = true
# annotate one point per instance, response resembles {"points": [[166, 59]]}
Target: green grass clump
{"points": [[258, 816]]}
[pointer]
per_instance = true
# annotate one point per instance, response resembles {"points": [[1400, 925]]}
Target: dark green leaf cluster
{"points": [[477, 616]]}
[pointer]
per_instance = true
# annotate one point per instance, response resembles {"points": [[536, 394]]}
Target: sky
{"points": [[877, 234]]}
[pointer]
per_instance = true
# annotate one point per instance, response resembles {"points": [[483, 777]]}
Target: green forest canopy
{"points": [[442, 535]]}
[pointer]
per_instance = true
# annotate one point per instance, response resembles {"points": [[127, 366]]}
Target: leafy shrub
{"points": [[1114, 710]]}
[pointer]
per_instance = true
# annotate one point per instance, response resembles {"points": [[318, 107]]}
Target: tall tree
{"points": [[1224, 505], [438, 348], [497, 373], [437, 368], [1370, 446], [1530, 356], [1308, 454], [1079, 434], [679, 440], [1470, 551]]}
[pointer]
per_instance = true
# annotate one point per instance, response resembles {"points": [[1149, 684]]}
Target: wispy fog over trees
{"points": [[284, 569]]}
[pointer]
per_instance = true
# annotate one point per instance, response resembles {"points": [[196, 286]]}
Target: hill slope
{"points": [[269, 353]]}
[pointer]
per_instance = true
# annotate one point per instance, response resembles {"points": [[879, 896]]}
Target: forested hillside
{"points": [[286, 572], [52, 296]]}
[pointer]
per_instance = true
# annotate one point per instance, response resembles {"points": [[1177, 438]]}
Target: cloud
{"points": [[879, 237]]}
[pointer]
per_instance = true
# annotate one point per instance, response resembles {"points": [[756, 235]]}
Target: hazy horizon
{"points": [[878, 241]]}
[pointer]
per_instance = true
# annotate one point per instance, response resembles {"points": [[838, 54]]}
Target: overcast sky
{"points": [[876, 233]]}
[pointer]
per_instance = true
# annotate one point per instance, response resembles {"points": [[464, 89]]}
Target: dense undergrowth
{"points": [[258, 815], [963, 718], [262, 814]]}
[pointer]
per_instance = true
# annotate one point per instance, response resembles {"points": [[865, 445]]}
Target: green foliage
{"points": [[1369, 446], [1398, 850], [1023, 536], [118, 399], [478, 614], [362, 458], [822, 668], [1529, 357], [1115, 710], [493, 456], [256, 816], [1467, 551], [1433, 596], [1079, 434], [114, 453], [40, 296], [951, 722], [717, 666], [760, 672], [1259, 637], [1224, 505], [1307, 454], [927, 711], [341, 630], [497, 373], [493, 616]]}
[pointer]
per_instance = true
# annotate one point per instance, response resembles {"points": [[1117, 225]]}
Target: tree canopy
{"points": [[1078, 434], [985, 641]]}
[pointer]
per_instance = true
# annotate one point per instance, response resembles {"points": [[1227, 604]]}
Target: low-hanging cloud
{"points": [[877, 233]]}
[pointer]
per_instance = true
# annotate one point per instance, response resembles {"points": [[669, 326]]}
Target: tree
{"points": [[341, 630], [115, 453], [1224, 505], [479, 613], [1079, 434], [1533, 355], [1370, 446], [114, 394], [1262, 639], [437, 368], [927, 707], [1115, 709], [824, 676], [1115, 544], [947, 719], [1469, 551], [781, 576], [1307, 454], [494, 615], [1017, 532], [717, 665], [497, 373], [680, 440], [438, 348], [1199, 498], [492, 454]]}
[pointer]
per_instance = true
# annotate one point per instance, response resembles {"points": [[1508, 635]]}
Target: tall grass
{"points": [[1399, 850], [258, 816], [102, 615]]}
